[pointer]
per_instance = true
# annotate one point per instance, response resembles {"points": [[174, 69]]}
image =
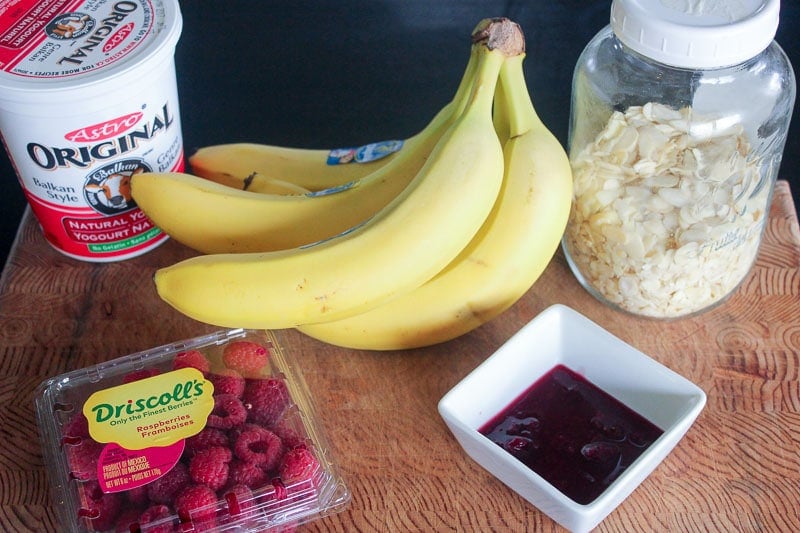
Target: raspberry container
{"points": [[215, 433]]}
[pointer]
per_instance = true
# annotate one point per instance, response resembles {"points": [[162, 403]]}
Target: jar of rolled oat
{"points": [[679, 117]]}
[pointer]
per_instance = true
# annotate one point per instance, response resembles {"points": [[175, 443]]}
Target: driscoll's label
{"points": [[156, 411], [144, 425], [75, 162]]}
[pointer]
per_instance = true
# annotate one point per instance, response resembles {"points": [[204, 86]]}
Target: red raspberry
{"points": [[266, 400], [240, 500], [228, 412], [246, 357], [128, 517], [290, 437], [76, 426], [138, 496], [297, 465], [191, 359], [205, 439], [164, 489], [83, 457], [247, 474], [234, 433], [155, 513], [227, 381], [136, 375], [210, 467], [259, 446], [99, 508], [280, 491], [195, 504], [242, 507]]}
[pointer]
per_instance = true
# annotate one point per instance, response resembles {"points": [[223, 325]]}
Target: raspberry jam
{"points": [[573, 434]]}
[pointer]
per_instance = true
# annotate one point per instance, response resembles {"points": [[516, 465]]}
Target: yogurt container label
{"points": [[88, 98]]}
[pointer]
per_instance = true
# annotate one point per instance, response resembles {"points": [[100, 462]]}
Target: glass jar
{"points": [[679, 117]]}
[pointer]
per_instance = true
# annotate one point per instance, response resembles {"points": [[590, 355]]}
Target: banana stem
{"points": [[519, 113], [494, 40], [501, 34], [500, 112], [459, 102], [489, 65]]}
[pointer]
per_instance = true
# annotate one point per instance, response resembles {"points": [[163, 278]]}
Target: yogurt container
{"points": [[88, 97]]}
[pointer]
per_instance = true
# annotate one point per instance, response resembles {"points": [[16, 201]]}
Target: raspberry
{"points": [[101, 509], [228, 412], [242, 507], [136, 375], [297, 464], [154, 513], [138, 496], [191, 359], [205, 439], [127, 518], [246, 357], [195, 504], [266, 400], [246, 474], [259, 446], [76, 426], [288, 435], [210, 467], [280, 490], [234, 433], [227, 381], [164, 489], [239, 499], [82, 458]]}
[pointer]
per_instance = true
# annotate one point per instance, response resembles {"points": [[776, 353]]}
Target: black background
{"points": [[322, 74]]}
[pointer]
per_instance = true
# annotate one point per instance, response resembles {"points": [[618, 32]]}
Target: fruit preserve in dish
{"points": [[573, 434]]}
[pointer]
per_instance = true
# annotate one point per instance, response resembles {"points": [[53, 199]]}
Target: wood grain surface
{"points": [[737, 469]]}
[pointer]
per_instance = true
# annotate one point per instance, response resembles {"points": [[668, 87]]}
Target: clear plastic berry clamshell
{"points": [[159, 405]]}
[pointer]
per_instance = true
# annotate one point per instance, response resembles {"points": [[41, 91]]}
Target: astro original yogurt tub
{"points": [[88, 98]]}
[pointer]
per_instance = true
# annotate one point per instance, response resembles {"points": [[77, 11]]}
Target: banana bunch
{"points": [[483, 202]]}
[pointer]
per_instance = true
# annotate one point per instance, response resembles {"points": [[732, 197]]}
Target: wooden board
{"points": [[737, 469]]}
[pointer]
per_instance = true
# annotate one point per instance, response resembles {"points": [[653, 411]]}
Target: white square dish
{"points": [[561, 336]]}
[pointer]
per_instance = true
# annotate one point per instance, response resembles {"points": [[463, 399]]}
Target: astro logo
{"points": [[68, 26], [104, 130], [108, 189]]}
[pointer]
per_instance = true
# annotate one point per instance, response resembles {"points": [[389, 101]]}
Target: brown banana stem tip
{"points": [[501, 34]]}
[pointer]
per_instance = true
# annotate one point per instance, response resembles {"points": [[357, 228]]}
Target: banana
{"points": [[214, 218], [273, 169], [400, 248], [504, 259]]}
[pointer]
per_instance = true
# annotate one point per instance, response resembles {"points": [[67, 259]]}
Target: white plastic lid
{"points": [[59, 51], [696, 33]]}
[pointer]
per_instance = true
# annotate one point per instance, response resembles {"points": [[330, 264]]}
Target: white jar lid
{"points": [[696, 33]]}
